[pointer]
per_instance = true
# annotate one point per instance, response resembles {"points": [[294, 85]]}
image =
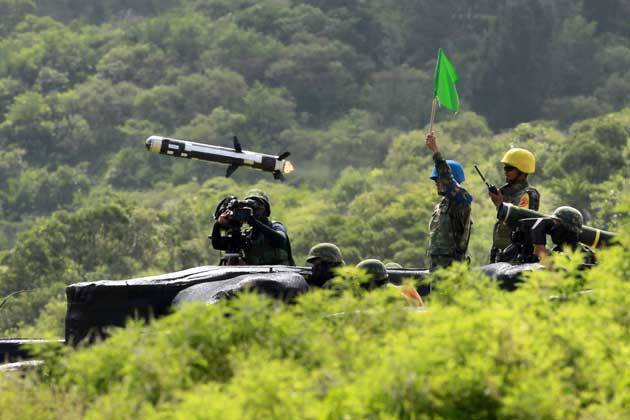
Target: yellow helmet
{"points": [[521, 159]]}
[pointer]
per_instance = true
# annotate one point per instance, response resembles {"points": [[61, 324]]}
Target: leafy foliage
{"points": [[345, 86], [541, 351]]}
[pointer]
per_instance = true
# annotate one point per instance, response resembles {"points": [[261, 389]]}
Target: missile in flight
{"points": [[277, 165]]}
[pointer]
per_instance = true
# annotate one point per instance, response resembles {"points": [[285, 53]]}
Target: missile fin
{"points": [[237, 146], [230, 170], [284, 155], [278, 175]]}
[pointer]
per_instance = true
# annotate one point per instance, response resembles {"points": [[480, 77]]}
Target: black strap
{"points": [[534, 197]]}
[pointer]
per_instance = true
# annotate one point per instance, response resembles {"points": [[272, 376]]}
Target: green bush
{"points": [[474, 351]]}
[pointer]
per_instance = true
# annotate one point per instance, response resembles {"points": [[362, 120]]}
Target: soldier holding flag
{"points": [[450, 225], [449, 229]]}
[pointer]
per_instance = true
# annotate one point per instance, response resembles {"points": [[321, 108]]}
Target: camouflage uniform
{"points": [[522, 195], [564, 227], [265, 243], [326, 252], [377, 272], [265, 250], [449, 229], [324, 258]]}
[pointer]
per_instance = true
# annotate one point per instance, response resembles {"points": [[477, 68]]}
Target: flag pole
{"points": [[433, 109]]}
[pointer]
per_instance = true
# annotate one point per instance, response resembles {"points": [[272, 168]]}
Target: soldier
{"points": [[324, 258], [377, 272], [564, 226], [265, 243], [379, 277], [449, 229], [517, 164]]}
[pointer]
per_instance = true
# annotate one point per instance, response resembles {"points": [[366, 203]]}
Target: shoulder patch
{"points": [[524, 201]]}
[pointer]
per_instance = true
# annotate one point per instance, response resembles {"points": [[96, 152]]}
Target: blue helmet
{"points": [[456, 168]]}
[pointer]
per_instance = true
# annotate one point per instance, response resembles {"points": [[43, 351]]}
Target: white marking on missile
{"points": [[537, 223], [223, 151], [509, 206]]}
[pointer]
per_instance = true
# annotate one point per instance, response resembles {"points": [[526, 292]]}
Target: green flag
{"points": [[445, 79]]}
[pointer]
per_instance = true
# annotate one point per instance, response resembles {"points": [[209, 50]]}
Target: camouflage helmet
{"points": [[569, 217], [261, 196], [393, 265], [326, 252], [375, 268]]}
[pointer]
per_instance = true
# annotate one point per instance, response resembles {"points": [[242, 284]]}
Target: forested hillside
{"points": [[345, 86]]}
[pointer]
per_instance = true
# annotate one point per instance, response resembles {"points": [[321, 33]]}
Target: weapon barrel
{"points": [[593, 237], [192, 150]]}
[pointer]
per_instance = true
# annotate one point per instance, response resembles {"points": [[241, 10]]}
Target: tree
{"points": [[39, 191], [9, 89], [597, 149], [12, 12], [316, 72], [131, 168], [401, 95], [514, 69], [353, 23], [27, 125], [269, 111], [614, 58], [50, 80], [104, 104], [615, 91], [161, 104], [354, 140], [243, 51], [388, 223], [140, 64], [610, 15], [12, 163], [214, 88], [567, 110], [574, 69]]}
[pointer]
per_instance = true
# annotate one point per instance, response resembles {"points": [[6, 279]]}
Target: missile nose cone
{"points": [[154, 144]]}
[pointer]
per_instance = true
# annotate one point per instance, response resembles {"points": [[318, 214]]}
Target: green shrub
{"points": [[474, 351]]}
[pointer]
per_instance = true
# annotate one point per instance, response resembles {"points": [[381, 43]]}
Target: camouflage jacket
{"points": [[266, 243], [449, 229], [522, 195]]}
